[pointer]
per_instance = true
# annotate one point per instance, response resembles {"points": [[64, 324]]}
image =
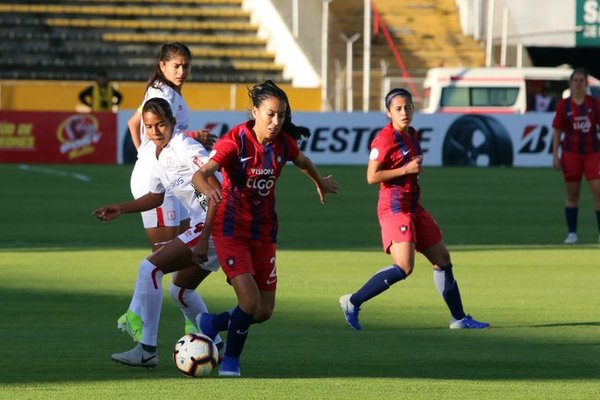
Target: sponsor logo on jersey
{"points": [[262, 185]]}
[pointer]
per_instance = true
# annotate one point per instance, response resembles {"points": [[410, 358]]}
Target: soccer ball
{"points": [[195, 355]]}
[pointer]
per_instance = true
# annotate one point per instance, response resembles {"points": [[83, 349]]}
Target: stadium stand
{"points": [[425, 33], [72, 40]]}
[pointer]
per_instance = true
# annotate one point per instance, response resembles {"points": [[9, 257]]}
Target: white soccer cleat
{"points": [[571, 238], [137, 357]]}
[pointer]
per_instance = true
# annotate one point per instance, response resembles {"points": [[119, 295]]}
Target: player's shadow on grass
{"points": [[74, 335]]}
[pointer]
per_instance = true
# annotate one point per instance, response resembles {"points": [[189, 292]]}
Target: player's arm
{"points": [[200, 181], [376, 173], [134, 129], [555, 145], [200, 252], [324, 184], [146, 202]]}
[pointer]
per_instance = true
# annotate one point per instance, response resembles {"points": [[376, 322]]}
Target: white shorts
{"points": [[170, 213], [190, 238]]}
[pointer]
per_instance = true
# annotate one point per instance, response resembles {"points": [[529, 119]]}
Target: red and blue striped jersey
{"points": [[393, 149], [250, 171], [579, 123]]}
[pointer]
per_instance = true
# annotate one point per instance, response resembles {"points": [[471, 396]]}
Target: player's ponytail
{"points": [[262, 91]]}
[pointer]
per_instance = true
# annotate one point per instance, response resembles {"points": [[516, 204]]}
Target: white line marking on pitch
{"points": [[51, 171]]}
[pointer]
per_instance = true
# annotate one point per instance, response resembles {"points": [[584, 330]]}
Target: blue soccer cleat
{"points": [[467, 323], [350, 312], [230, 366], [204, 321]]}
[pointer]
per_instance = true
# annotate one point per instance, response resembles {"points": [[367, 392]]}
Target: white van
{"points": [[507, 90]]}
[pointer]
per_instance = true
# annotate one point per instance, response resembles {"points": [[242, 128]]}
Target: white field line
{"points": [[50, 171]]}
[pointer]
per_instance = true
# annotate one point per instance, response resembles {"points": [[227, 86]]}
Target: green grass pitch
{"points": [[65, 278]]}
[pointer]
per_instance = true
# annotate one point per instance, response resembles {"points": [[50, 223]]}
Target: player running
{"points": [[170, 218], [176, 159], [251, 157], [395, 163]]}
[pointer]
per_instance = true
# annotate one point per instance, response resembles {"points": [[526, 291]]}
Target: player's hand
{"points": [[414, 166], [107, 213], [556, 163], [205, 137], [214, 195], [327, 185], [200, 252]]}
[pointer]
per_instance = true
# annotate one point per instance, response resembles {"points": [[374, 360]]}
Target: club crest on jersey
{"points": [[230, 262], [170, 162]]}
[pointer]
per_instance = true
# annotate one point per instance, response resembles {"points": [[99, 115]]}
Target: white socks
{"points": [[148, 290]]}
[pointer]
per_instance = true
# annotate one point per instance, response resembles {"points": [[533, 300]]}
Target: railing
{"points": [[379, 25]]}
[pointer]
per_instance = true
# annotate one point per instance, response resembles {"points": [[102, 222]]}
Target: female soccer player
{"points": [[170, 218], [176, 158], [577, 118], [251, 157], [395, 163]]}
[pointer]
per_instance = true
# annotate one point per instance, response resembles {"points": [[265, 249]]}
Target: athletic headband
{"points": [[396, 92]]}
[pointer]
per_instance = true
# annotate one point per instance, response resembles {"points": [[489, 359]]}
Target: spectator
{"points": [[102, 95]]}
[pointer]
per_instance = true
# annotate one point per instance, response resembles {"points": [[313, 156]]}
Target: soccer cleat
{"points": [[190, 327], [131, 323], [230, 366], [137, 357], [350, 312], [204, 321], [221, 349], [571, 238], [467, 323]]}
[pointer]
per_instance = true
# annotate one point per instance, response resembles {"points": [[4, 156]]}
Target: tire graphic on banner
{"points": [[477, 140]]}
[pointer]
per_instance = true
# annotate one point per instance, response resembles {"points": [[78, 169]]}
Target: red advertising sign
{"points": [[58, 137]]}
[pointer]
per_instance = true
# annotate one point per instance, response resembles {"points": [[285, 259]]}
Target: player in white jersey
{"points": [[165, 222], [176, 159]]}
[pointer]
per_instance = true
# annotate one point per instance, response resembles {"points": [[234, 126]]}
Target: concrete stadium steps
{"points": [[72, 40], [426, 33]]}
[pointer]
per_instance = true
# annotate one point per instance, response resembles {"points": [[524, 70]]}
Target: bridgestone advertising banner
{"points": [[447, 139]]}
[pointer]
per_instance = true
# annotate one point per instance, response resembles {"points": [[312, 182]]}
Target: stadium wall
{"points": [[63, 96]]}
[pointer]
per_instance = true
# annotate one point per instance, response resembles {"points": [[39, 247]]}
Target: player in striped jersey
{"points": [[395, 163], [251, 157], [576, 134], [177, 157]]}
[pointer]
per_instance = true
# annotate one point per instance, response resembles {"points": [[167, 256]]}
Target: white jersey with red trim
{"points": [[180, 110], [173, 171]]}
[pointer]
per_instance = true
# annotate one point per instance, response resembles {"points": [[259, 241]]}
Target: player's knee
{"points": [[406, 268]]}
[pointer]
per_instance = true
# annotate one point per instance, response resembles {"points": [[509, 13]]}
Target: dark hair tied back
{"points": [[159, 107], [396, 92], [262, 91]]}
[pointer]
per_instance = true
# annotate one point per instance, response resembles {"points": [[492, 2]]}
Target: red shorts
{"points": [[574, 166], [417, 227], [241, 255]]}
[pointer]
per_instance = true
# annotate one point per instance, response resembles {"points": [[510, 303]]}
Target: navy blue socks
{"points": [[378, 283], [443, 278]]}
